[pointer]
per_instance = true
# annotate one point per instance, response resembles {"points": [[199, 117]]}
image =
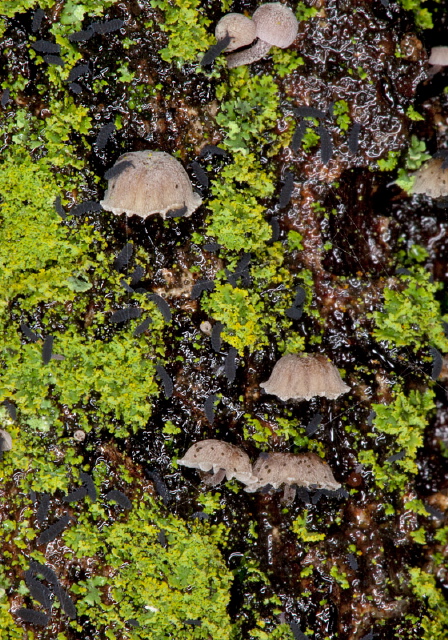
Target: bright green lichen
{"points": [[405, 419], [412, 316], [303, 532], [187, 28], [243, 314], [161, 587], [416, 156], [249, 108], [422, 17], [435, 620]]}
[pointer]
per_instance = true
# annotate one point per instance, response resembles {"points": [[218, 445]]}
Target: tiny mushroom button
{"points": [[276, 25]]}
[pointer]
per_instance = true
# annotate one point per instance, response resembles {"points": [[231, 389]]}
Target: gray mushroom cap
{"points": [[5, 441], [302, 377], [276, 25], [431, 179], [304, 470], [155, 182], [240, 29], [439, 56], [213, 455]]}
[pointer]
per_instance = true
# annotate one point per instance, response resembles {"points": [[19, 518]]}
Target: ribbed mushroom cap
{"points": [[297, 377], [276, 24], [305, 470], [154, 183], [431, 179], [213, 455], [5, 441], [439, 55], [240, 28]]}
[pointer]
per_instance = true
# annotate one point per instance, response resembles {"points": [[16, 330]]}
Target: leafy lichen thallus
{"points": [[221, 458]]}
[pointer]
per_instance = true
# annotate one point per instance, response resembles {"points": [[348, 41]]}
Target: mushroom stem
{"points": [[254, 53], [216, 478], [289, 494]]}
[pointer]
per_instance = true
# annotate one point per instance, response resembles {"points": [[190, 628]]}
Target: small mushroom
{"points": [[432, 178], [303, 469], [297, 377], [240, 29], [439, 56], [220, 457], [152, 182], [276, 25]]}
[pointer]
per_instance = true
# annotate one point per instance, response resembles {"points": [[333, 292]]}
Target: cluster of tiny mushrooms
{"points": [[144, 183]]}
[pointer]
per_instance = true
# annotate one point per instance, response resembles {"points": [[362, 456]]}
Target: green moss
{"points": [[412, 316], [405, 419], [186, 24], [340, 577], [304, 12], [412, 114]]}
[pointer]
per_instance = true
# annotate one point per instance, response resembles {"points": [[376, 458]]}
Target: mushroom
{"points": [[5, 442], [297, 377], [240, 29], [432, 177], [439, 56], [151, 182], [303, 469], [276, 25], [223, 458]]}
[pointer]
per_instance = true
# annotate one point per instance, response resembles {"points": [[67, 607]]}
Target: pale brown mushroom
{"points": [[439, 56], [223, 458], [432, 178], [5, 441], [240, 29], [151, 182], [303, 469], [302, 377], [276, 25]]}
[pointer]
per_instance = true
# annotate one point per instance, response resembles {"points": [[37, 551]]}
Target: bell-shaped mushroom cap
{"points": [[276, 25], [297, 377], [5, 441], [240, 29], [213, 455], [304, 470], [439, 56], [431, 179], [151, 182]]}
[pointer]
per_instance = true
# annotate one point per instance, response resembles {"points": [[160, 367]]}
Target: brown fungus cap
{"points": [[439, 56], [213, 455], [302, 377], [154, 182], [431, 179], [276, 25], [240, 29], [303, 469]]}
